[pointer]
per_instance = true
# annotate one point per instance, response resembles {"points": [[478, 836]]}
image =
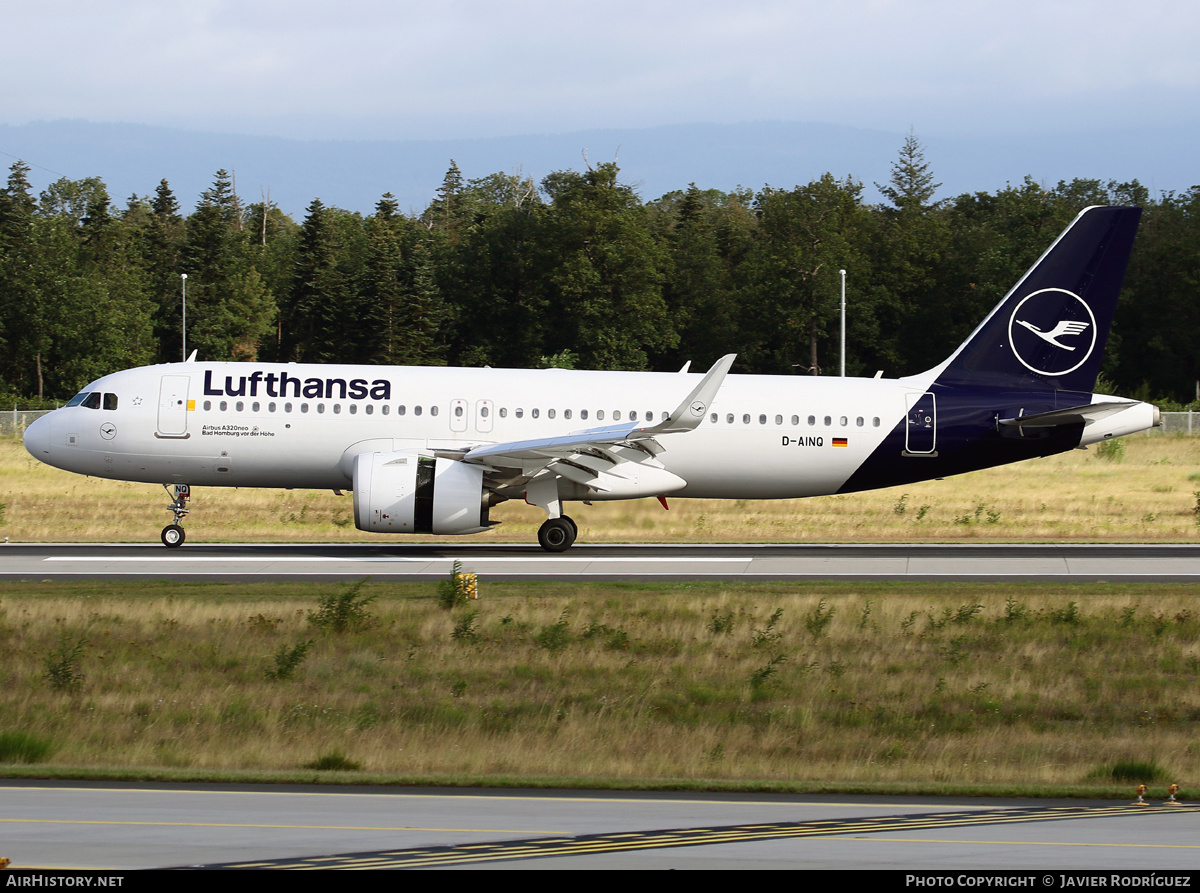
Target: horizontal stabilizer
{"points": [[1075, 415]]}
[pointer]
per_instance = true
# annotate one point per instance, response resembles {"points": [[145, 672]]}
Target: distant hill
{"points": [[132, 158]]}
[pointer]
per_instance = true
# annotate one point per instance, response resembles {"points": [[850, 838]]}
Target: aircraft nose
{"points": [[37, 438]]}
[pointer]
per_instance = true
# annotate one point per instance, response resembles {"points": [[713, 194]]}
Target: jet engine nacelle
{"points": [[414, 493]]}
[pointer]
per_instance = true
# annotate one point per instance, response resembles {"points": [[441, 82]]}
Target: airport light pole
{"points": [[843, 363], [183, 286]]}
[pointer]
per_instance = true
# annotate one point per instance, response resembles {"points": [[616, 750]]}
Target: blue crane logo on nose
{"points": [[1052, 331]]}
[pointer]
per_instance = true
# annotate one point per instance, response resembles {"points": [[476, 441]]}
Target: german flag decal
{"points": [[840, 441]]}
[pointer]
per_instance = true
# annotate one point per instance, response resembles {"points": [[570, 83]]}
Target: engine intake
{"points": [[407, 492]]}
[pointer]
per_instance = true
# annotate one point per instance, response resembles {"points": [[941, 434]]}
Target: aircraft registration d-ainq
{"points": [[431, 450]]}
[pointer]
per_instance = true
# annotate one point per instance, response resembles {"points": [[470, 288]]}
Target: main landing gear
{"points": [[557, 534], [173, 534]]}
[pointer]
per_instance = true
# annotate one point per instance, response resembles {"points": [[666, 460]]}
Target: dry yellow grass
{"points": [[1148, 496], [967, 685]]}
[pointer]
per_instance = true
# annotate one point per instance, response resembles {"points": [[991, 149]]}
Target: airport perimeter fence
{"points": [[1185, 423], [15, 420]]}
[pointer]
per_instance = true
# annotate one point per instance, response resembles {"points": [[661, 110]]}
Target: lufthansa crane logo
{"points": [[1052, 331]]}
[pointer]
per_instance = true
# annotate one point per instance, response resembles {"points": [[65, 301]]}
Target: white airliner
{"points": [[431, 450]]}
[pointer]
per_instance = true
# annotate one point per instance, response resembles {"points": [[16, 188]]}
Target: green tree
{"points": [[83, 310], [445, 213], [21, 304], [805, 236], [911, 186], [163, 237], [424, 314], [602, 272], [1158, 311], [697, 285], [322, 320], [906, 248], [230, 309], [493, 276], [383, 284]]}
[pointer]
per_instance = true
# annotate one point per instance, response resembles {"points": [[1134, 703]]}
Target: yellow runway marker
{"points": [[507, 851]]}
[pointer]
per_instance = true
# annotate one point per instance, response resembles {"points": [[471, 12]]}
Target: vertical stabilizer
{"points": [[1051, 328]]}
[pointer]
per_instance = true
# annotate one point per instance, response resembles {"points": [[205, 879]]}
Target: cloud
{"points": [[408, 69]]}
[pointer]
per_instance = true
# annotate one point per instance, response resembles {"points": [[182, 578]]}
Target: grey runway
{"points": [[423, 561], [129, 826]]}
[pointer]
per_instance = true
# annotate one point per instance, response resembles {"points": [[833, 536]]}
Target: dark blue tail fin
{"points": [[1050, 329]]}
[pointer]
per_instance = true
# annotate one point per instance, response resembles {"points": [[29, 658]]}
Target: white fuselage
{"points": [[763, 437]]}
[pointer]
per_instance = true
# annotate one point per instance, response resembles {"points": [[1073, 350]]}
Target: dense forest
{"points": [[575, 271]]}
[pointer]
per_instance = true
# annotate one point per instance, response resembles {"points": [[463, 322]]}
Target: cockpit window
{"points": [[77, 399], [91, 401], [110, 401]]}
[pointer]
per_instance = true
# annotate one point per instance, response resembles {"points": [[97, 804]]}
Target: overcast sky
{"points": [[414, 70]]}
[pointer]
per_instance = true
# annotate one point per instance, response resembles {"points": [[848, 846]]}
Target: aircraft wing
{"points": [[590, 457]]}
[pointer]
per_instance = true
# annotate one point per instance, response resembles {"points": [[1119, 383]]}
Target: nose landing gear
{"points": [[173, 534]]}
